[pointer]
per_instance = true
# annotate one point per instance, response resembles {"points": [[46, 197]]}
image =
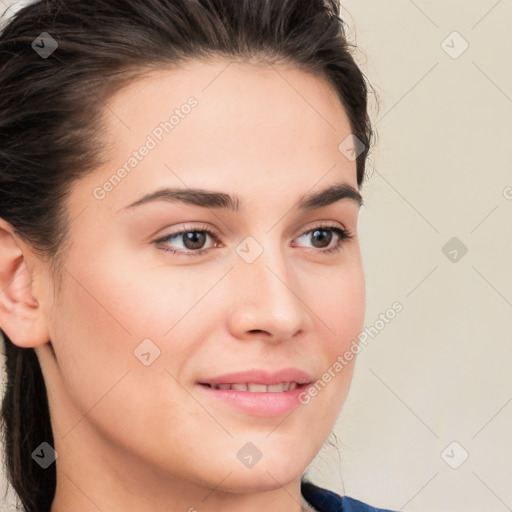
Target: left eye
{"points": [[194, 239], [321, 233]]}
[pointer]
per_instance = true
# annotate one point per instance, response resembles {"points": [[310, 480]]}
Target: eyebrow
{"points": [[221, 200]]}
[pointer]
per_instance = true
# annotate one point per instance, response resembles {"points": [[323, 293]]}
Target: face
{"points": [[162, 295]]}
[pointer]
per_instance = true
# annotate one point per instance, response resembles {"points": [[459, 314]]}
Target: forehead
{"points": [[250, 126], [233, 86], [235, 101]]}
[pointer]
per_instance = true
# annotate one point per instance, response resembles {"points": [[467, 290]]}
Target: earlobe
{"points": [[21, 315]]}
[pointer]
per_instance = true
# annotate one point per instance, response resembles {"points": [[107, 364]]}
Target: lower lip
{"points": [[260, 404]]}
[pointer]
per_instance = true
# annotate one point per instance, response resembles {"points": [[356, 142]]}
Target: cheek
{"points": [[114, 304], [103, 318], [95, 320], [92, 339], [340, 307]]}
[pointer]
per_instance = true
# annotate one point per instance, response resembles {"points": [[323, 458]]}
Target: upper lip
{"points": [[260, 376]]}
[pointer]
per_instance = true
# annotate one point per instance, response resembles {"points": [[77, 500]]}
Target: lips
{"points": [[256, 392], [254, 380], [256, 388]]}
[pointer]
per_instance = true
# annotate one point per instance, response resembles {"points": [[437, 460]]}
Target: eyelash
{"points": [[343, 234]]}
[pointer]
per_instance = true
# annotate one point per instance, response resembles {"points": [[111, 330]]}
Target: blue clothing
{"points": [[324, 500]]}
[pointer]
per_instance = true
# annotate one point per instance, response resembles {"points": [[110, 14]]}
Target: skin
{"points": [[132, 437]]}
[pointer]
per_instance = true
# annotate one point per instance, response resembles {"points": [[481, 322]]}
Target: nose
{"points": [[268, 300]]}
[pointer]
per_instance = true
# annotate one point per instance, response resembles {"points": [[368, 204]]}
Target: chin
{"points": [[266, 477]]}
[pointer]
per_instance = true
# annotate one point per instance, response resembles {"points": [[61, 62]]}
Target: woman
{"points": [[180, 189]]}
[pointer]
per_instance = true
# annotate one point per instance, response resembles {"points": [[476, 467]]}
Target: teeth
{"points": [[258, 388], [278, 387]]}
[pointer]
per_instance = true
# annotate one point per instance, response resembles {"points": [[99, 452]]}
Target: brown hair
{"points": [[50, 127]]}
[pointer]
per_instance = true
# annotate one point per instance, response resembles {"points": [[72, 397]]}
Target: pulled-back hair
{"points": [[51, 131]]}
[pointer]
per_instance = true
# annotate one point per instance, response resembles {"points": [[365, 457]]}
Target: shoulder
{"points": [[324, 500]]}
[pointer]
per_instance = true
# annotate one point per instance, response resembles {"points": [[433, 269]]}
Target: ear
{"points": [[21, 314]]}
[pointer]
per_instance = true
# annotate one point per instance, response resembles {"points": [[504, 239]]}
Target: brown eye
{"points": [[322, 237], [192, 240]]}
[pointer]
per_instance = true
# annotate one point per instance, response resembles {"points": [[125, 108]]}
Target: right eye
{"points": [[193, 238]]}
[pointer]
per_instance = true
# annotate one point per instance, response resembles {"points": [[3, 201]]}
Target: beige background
{"points": [[440, 371]]}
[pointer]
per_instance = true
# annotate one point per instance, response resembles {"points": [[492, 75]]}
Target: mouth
{"points": [[254, 398], [257, 388]]}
